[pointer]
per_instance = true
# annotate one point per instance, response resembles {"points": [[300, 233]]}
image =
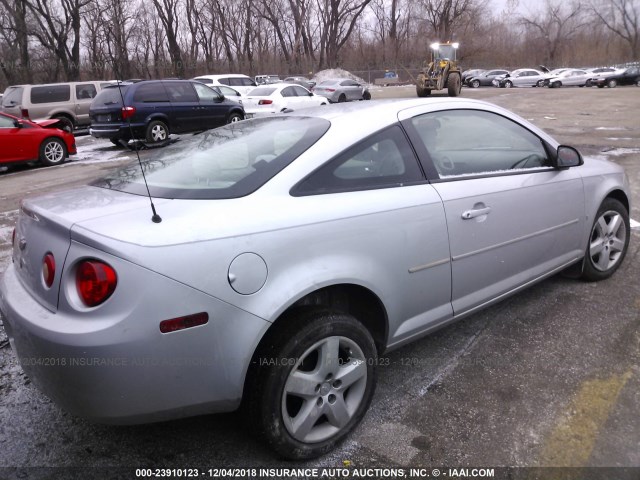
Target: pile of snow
{"points": [[323, 75]]}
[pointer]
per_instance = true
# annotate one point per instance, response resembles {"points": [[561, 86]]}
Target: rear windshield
{"points": [[12, 96], [227, 162], [261, 92], [109, 96]]}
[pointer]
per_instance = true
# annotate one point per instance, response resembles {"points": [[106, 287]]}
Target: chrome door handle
{"points": [[469, 214]]}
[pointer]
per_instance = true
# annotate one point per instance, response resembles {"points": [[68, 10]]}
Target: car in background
{"points": [[522, 77], [241, 83], [571, 77], [473, 72], [67, 102], [266, 79], [292, 252], [228, 92], [601, 72], [26, 141], [153, 109], [302, 81], [485, 79], [338, 90], [276, 98], [629, 76]]}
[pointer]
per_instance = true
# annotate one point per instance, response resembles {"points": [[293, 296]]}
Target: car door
{"points": [[213, 110], [14, 141], [289, 98], [378, 182], [187, 115], [351, 89], [305, 98], [511, 217]]}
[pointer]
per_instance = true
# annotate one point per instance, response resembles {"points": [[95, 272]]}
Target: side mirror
{"points": [[568, 157], [18, 124]]}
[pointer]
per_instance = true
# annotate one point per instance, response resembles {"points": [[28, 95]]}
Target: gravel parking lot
{"points": [[549, 377]]}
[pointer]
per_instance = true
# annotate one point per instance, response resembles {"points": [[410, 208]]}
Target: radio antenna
{"points": [[155, 218]]}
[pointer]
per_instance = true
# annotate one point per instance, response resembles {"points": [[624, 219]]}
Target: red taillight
{"points": [[48, 269], [180, 323], [330, 89], [128, 112], [95, 282], [24, 113], [265, 102]]}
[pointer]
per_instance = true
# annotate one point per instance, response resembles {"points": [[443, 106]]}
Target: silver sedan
{"points": [[287, 253], [341, 90]]}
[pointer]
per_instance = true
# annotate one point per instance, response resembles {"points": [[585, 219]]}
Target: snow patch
{"points": [[323, 75], [610, 128]]}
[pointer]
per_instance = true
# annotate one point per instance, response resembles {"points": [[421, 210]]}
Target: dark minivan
{"points": [[153, 109]]}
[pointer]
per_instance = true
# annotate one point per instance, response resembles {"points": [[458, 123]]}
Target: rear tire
{"points": [[475, 83], [235, 117], [508, 84], [157, 132], [423, 92], [312, 381], [366, 95], [53, 151], [608, 241], [342, 98], [612, 84]]}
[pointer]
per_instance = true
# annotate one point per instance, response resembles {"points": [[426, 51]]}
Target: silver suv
{"points": [[68, 102]]}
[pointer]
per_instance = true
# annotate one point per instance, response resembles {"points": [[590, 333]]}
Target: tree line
{"points": [[65, 40]]}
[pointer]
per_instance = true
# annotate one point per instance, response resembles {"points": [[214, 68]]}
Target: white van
{"points": [[239, 82]]}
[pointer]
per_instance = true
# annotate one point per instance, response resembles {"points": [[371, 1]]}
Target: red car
{"points": [[26, 141]]}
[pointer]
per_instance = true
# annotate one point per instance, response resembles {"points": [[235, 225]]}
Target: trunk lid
{"points": [[44, 226]]}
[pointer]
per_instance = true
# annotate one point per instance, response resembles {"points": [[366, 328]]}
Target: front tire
{"points": [[454, 87], [53, 151], [508, 84], [342, 98], [608, 241], [157, 132], [65, 123], [612, 84], [366, 95], [475, 84], [314, 380]]}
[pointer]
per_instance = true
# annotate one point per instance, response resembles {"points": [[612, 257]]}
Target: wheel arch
{"points": [[356, 300]]}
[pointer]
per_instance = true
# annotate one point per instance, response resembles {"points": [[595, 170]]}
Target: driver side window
{"points": [[470, 142]]}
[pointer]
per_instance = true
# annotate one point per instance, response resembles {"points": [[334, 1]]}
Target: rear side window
{"points": [[6, 122], [262, 91], [12, 96], [85, 91], [150, 93], [208, 81], [226, 162], [51, 94], [383, 160], [181, 92]]}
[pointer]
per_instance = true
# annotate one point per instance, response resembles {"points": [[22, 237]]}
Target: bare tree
{"points": [[169, 13], [13, 29], [337, 21], [57, 28], [555, 26], [622, 17], [446, 17]]}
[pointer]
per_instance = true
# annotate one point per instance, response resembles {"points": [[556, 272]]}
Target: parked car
{"points": [[342, 90], [292, 251], [522, 77], [239, 82], [601, 72], [485, 79], [629, 76], [473, 72], [267, 79], [303, 81], [68, 102], [26, 141], [270, 99], [153, 109], [571, 77], [228, 92]]}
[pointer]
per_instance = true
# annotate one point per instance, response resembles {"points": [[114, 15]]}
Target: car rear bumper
{"points": [[121, 372], [116, 132]]}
